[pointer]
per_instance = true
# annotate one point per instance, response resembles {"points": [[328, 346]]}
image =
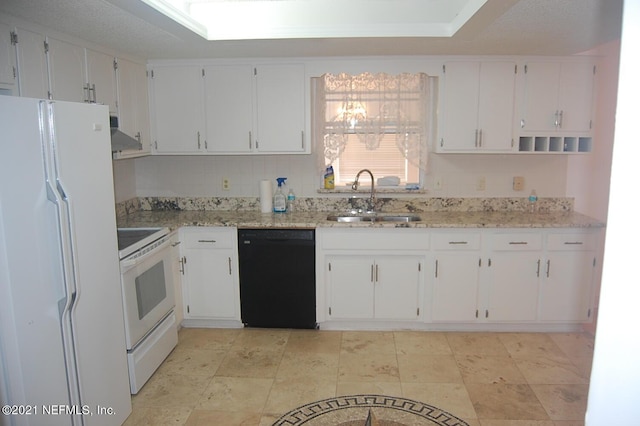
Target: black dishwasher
{"points": [[277, 277]]}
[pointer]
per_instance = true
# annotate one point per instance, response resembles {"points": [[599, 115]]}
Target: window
{"points": [[386, 160], [373, 121]]}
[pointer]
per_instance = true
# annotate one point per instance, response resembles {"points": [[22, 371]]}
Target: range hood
{"points": [[120, 141]]}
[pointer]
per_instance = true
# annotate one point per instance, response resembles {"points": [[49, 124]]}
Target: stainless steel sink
{"points": [[375, 218]]}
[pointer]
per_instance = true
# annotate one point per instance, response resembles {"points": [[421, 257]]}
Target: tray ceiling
{"points": [[499, 27]]}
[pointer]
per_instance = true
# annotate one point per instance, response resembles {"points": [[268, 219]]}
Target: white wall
{"points": [[615, 377], [124, 180], [588, 176], [202, 176]]}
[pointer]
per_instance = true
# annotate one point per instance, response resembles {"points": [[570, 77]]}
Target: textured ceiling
{"points": [[501, 27]]}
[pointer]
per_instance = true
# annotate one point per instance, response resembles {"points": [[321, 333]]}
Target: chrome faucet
{"points": [[355, 185]]}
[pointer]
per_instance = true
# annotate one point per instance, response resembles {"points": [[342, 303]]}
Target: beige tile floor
{"points": [[253, 376]]}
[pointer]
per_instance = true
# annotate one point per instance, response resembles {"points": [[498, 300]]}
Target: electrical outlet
{"points": [[481, 183], [518, 183], [226, 185], [437, 183]]}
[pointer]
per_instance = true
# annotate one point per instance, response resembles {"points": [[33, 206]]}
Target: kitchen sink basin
{"points": [[375, 218]]}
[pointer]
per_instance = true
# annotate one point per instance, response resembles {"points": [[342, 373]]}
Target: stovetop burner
{"points": [[132, 239]]}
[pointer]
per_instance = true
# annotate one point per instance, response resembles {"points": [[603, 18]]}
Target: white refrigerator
{"points": [[62, 343]]}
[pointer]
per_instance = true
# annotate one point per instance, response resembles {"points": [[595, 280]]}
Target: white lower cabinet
{"points": [[381, 287], [513, 277], [493, 279], [568, 272], [210, 275], [456, 276], [350, 286], [370, 274]]}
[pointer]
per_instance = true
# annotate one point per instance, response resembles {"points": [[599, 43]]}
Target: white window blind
{"points": [[386, 160]]}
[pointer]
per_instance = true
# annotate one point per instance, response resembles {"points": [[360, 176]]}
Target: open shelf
{"points": [[555, 144]]}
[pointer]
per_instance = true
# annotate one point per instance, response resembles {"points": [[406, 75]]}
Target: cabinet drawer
{"points": [[456, 241], [516, 242], [375, 239], [209, 238], [572, 241]]}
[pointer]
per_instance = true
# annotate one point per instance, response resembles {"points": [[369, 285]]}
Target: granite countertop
{"points": [[253, 219]]}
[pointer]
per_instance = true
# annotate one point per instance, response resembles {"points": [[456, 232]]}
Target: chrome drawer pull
{"points": [[458, 242], [573, 243], [514, 243], [206, 241]]}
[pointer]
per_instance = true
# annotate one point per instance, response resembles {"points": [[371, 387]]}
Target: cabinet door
{"points": [[397, 283], [460, 106], [351, 287], [496, 106], [177, 107], [209, 284], [67, 71], [513, 289], [7, 56], [228, 106], [281, 108], [576, 96], [540, 110], [32, 61], [455, 287], [566, 288], [558, 97], [101, 77], [478, 106], [133, 106]]}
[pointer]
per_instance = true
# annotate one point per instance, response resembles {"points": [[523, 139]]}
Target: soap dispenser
{"points": [[279, 199]]}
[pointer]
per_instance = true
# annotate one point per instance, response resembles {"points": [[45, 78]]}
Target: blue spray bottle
{"points": [[279, 199]]}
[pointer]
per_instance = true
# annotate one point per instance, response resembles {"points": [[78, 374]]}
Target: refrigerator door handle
{"points": [[72, 295], [57, 195]]}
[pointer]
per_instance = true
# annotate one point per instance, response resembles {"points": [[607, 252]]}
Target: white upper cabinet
{"points": [[133, 105], [77, 74], [8, 71], [67, 71], [280, 104], [178, 106], [243, 109], [32, 63], [478, 107], [101, 79], [229, 108], [558, 97], [555, 108]]}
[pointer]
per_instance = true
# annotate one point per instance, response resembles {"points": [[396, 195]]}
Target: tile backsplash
{"points": [[418, 205]]}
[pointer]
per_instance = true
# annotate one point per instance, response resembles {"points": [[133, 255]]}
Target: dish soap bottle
{"points": [[291, 198], [533, 199], [329, 178], [279, 199]]}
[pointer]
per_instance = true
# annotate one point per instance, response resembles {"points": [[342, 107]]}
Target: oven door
{"points": [[147, 289]]}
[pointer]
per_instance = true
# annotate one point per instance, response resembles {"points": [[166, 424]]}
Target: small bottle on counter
{"points": [[291, 198], [533, 201]]}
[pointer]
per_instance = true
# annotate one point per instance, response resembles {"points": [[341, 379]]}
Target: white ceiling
{"points": [[500, 27]]}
